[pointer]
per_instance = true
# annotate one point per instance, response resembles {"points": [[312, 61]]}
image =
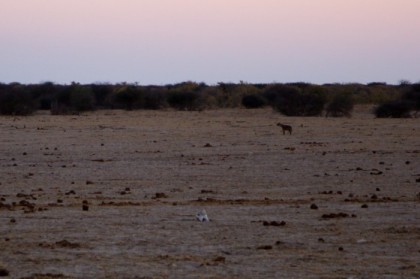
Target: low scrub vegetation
{"points": [[16, 99], [253, 101], [341, 105], [405, 105], [290, 99]]}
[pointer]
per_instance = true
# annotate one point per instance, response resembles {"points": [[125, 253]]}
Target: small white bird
{"points": [[202, 216]]}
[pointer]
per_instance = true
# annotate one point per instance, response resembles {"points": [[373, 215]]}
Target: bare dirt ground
{"points": [[339, 198]]}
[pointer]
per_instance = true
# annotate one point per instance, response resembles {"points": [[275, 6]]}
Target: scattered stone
{"points": [[378, 190], [274, 223], [208, 145], [321, 240], [407, 162], [26, 204], [71, 192], [88, 182], [314, 206], [418, 180], [376, 172], [13, 220], [364, 206], [335, 215], [374, 197], [340, 249]]}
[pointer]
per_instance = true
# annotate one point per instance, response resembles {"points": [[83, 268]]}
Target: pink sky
{"points": [[167, 41]]}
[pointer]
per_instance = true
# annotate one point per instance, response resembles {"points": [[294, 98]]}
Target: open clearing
{"points": [[339, 198]]}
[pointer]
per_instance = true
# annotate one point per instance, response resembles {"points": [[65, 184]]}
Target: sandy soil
{"points": [[339, 198]]}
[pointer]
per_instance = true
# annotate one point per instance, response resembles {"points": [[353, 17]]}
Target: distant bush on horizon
{"points": [[73, 99], [16, 100], [404, 106], [291, 99], [341, 105], [253, 101], [294, 101]]}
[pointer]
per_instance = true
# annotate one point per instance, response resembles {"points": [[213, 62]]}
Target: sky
{"points": [[169, 41]]}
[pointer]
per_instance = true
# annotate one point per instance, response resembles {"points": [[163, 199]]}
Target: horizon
{"points": [[163, 42], [401, 82]]}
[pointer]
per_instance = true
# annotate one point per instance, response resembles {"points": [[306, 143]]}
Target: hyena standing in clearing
{"points": [[285, 128]]}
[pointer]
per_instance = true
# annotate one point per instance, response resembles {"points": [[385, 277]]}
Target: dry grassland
{"points": [[113, 194]]}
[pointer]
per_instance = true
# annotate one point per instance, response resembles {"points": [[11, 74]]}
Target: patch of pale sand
{"points": [[145, 174]]}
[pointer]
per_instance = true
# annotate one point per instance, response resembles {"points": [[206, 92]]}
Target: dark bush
{"points": [[73, 99], [274, 92], [44, 94], [231, 95], [341, 105], [253, 101], [413, 97], [15, 100], [416, 87], [82, 99], [128, 97], [102, 93], [185, 100], [293, 101], [154, 99], [394, 109]]}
